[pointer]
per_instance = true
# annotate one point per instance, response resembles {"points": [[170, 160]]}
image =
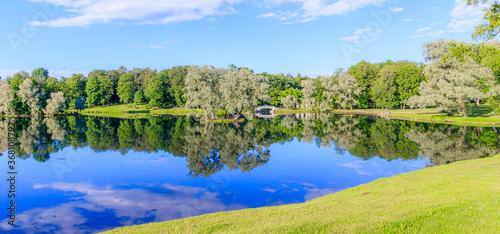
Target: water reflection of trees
{"points": [[455, 143], [209, 148]]}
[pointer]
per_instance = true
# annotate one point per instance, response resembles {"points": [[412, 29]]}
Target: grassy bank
{"points": [[455, 198], [131, 111]]}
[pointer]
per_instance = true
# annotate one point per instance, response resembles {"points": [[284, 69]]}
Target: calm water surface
{"points": [[91, 174]]}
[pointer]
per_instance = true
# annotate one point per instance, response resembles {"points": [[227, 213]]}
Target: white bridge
{"points": [[260, 115], [260, 108]]}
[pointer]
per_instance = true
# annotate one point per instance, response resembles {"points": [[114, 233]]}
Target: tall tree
{"points": [[241, 90], [157, 90], [346, 91], [138, 97], [177, 76], [366, 74], [55, 104], [75, 87], [17, 104], [92, 89], [408, 79], [452, 83], [384, 90], [308, 90], [105, 89], [202, 89], [328, 85], [126, 88], [6, 99], [29, 94]]}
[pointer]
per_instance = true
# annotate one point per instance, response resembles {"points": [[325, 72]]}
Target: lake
{"points": [[89, 174]]}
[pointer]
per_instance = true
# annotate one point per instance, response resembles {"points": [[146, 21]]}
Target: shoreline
{"points": [[408, 202]]}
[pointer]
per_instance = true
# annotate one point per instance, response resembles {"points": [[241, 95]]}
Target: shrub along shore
{"points": [[456, 198]]}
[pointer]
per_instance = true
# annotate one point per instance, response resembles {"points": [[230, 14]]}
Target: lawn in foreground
{"points": [[455, 198]]}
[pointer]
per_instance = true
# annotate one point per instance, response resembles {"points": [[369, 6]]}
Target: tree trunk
{"points": [[448, 111], [463, 108], [350, 99], [237, 116]]}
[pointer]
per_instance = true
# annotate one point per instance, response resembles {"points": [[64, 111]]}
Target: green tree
{"points": [[385, 90], [408, 79], [366, 74], [177, 76], [157, 90], [18, 105], [138, 97], [75, 87], [126, 88], [80, 103], [491, 20], [106, 88], [92, 89], [297, 93]]}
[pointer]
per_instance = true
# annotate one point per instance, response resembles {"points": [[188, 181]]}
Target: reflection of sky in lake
{"points": [[85, 191]]}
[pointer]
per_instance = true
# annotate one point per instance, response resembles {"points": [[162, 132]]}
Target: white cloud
{"points": [[435, 34], [422, 29], [434, 7], [367, 30], [416, 36], [350, 38], [408, 20], [88, 12], [178, 202], [363, 35], [398, 9], [268, 15], [158, 46], [153, 46], [315, 8], [465, 17]]}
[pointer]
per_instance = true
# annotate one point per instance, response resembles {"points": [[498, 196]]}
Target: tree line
{"points": [[454, 75]]}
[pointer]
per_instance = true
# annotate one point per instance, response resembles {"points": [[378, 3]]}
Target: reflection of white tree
{"points": [[346, 135], [289, 122], [308, 133], [443, 149], [54, 127], [28, 142], [210, 148], [4, 134]]}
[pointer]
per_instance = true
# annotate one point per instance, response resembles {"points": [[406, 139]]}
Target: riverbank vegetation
{"points": [[454, 201], [454, 77]]}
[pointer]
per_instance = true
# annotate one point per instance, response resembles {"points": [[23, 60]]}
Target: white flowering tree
{"points": [[452, 84], [55, 104]]}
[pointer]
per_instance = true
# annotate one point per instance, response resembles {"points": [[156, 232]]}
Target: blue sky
{"points": [[311, 37]]}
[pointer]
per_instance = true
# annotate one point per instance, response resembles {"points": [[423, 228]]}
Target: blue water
{"points": [[82, 190]]}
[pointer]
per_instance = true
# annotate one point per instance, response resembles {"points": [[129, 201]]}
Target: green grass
{"points": [[131, 111], [461, 197], [284, 111], [454, 119]]}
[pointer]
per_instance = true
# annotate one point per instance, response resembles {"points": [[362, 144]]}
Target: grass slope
{"points": [[456, 198]]}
